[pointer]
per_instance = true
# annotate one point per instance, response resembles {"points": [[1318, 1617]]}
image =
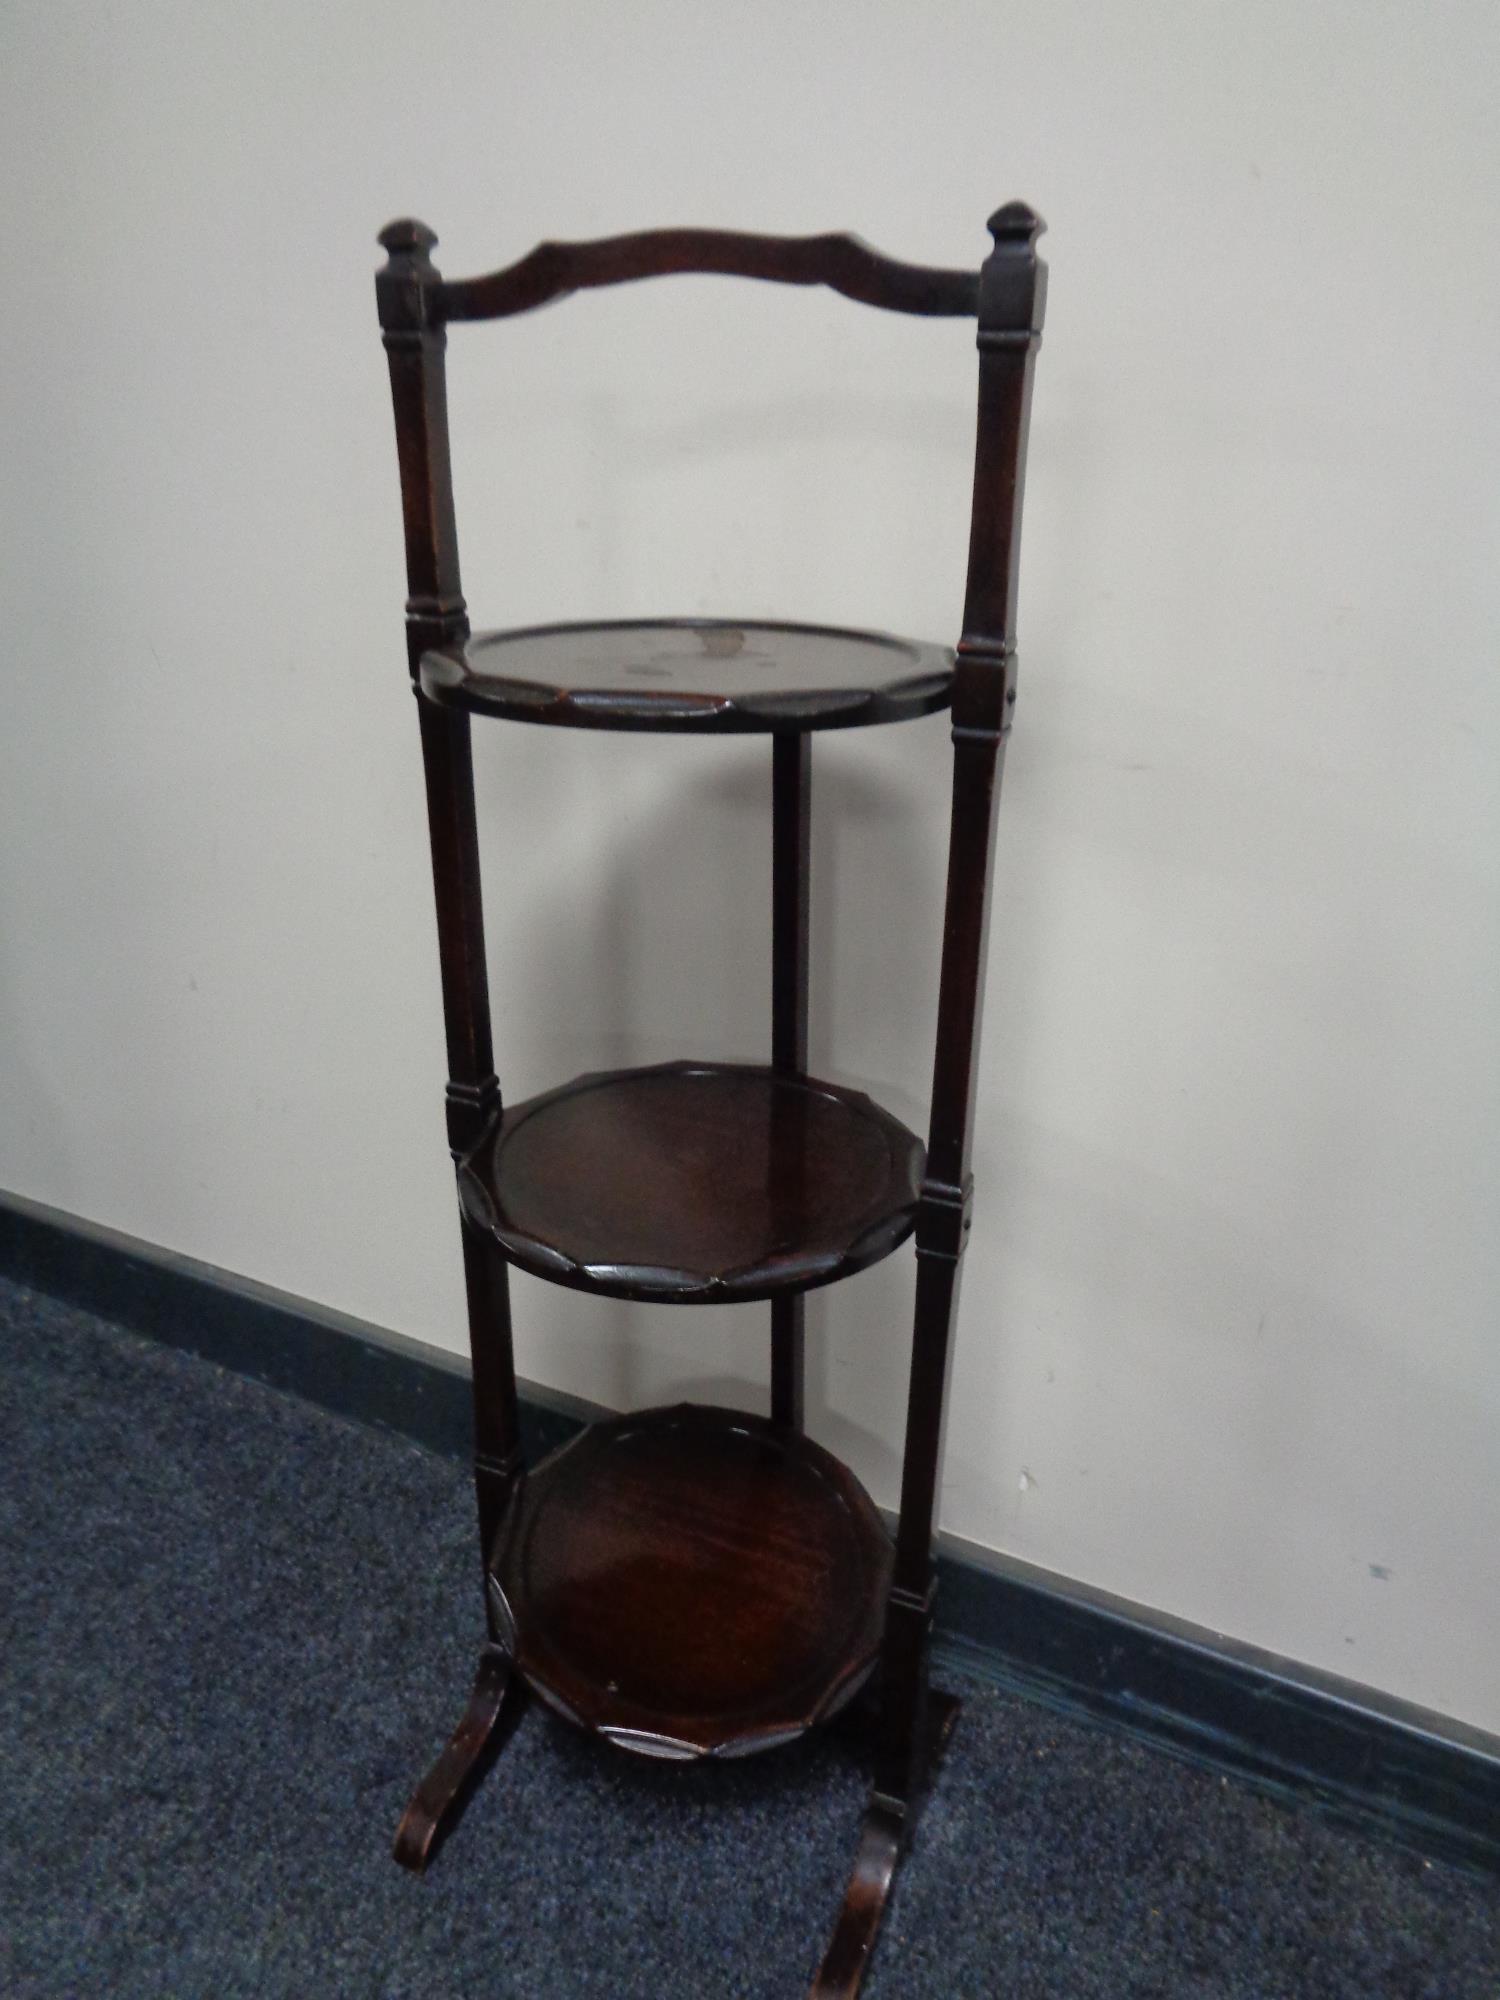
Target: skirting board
{"points": [[1372, 1762]]}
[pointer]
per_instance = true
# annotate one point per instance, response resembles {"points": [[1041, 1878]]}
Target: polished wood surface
{"points": [[1012, 304], [695, 1182], [791, 871], [679, 1580], [691, 674], [438, 1802], [841, 262], [692, 1582], [883, 1835]]}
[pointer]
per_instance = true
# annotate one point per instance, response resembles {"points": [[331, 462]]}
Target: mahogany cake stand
{"points": [[688, 1582]]}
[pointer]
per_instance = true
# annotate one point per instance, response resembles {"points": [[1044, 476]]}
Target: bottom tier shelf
{"points": [[692, 1582]]}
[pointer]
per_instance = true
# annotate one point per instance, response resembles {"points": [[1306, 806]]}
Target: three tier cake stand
{"points": [[692, 1582]]}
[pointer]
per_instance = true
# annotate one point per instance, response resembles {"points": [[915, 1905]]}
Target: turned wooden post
{"points": [[409, 296]]}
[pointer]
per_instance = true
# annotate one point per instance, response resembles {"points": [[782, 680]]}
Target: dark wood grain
{"points": [[679, 1581], [414, 342], [841, 262], [438, 1802], [436, 615], [1012, 302], [701, 675], [791, 865], [883, 1836], [842, 1972], [693, 1582], [692, 1183]]}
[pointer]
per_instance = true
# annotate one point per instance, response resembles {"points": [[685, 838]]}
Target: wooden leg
{"points": [[438, 1802], [843, 1969], [888, 1827], [913, 1722]]}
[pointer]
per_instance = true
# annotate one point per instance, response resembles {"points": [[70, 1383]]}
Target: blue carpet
{"points": [[235, 1630]]}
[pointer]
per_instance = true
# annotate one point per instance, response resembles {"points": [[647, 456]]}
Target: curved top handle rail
{"points": [[553, 270]]}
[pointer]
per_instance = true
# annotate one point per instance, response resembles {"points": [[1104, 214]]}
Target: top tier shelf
{"points": [[708, 675]]}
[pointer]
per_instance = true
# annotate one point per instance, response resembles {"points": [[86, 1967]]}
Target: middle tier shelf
{"points": [[695, 1183]]}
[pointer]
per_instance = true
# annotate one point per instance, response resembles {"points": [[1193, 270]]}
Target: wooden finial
{"points": [[1013, 281], [1017, 221], [407, 284], [407, 235]]}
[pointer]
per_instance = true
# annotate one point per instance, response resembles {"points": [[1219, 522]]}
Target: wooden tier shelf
{"points": [[695, 1183], [691, 1582], [702, 674]]}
